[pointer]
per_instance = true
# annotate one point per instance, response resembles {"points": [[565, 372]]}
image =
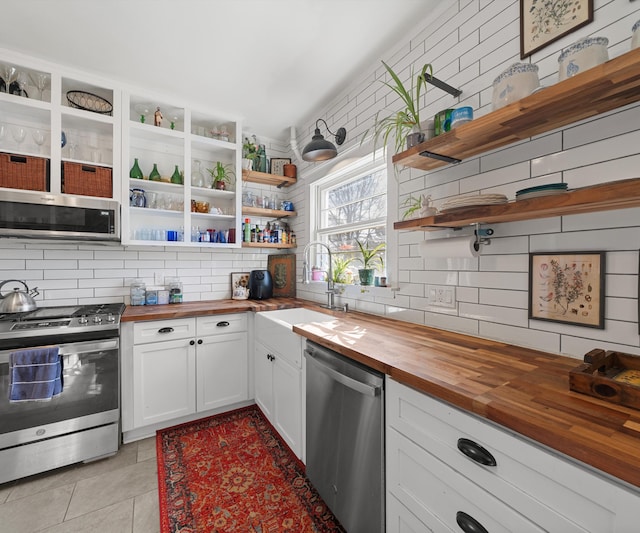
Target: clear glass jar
{"points": [[138, 292], [197, 178]]}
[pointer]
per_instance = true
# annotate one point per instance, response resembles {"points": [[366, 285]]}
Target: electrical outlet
{"points": [[442, 295]]}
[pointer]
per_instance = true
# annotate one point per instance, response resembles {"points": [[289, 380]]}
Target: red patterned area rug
{"points": [[233, 473]]}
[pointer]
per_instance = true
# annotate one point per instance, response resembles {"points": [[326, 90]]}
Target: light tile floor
{"points": [[115, 495]]}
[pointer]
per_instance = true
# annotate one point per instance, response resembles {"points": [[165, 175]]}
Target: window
{"points": [[351, 205]]}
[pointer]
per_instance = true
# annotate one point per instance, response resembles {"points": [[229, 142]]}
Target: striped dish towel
{"points": [[36, 374]]}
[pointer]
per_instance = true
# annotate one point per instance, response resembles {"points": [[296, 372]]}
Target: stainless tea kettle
{"points": [[18, 301]]}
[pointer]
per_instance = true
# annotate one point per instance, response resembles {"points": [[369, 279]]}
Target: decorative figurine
{"points": [[157, 117]]}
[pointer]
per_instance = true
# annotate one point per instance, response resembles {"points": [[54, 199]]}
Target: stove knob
{"points": [[97, 319], [111, 318], [83, 319]]}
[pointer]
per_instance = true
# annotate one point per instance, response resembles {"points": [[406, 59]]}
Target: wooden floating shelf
{"points": [[267, 213], [263, 178], [267, 245], [605, 87], [606, 196]]}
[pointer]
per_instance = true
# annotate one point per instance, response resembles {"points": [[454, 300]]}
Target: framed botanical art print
{"points": [[283, 272], [542, 22], [567, 287], [277, 165]]}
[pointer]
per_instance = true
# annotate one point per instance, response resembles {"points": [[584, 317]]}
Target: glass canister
{"points": [[174, 285], [138, 292]]}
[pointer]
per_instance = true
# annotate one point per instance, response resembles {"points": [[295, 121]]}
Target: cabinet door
{"points": [[287, 403], [263, 378], [164, 381], [222, 377]]}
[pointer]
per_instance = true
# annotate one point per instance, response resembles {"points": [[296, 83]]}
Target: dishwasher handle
{"points": [[358, 386]]}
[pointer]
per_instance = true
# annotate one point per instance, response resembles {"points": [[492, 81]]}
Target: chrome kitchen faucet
{"points": [[330, 285]]}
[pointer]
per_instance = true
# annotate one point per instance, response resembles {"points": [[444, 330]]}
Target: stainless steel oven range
{"points": [[81, 422]]}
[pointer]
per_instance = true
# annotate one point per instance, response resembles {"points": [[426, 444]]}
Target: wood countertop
{"points": [[521, 389], [139, 313]]}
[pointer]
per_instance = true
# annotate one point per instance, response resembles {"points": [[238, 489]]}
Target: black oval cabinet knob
{"points": [[199, 341], [476, 453], [165, 330], [222, 324], [192, 343], [468, 524]]}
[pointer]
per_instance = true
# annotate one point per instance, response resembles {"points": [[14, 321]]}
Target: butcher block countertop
{"points": [[521, 389]]}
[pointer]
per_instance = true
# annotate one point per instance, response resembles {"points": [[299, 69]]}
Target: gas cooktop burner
{"points": [[59, 322]]}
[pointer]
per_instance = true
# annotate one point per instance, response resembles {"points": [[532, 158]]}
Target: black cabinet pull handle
{"points": [[192, 343], [165, 330], [222, 324], [468, 524], [476, 453], [199, 341]]}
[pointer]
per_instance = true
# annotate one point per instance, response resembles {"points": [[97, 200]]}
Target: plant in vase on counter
{"points": [[370, 258], [222, 175]]}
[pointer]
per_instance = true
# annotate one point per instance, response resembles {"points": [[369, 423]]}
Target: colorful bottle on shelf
{"points": [[154, 175], [176, 177], [135, 171], [247, 230]]}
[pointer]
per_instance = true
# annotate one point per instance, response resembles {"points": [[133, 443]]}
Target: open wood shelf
{"points": [[267, 245], [613, 195], [267, 213], [605, 87], [263, 178]]}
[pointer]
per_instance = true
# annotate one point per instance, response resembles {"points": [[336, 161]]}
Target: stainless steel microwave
{"points": [[40, 215]]}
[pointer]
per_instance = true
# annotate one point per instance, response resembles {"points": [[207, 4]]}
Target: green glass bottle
{"points": [[154, 175], [176, 177], [135, 171]]}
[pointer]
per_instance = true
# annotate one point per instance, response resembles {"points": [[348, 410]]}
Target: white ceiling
{"points": [[270, 63]]}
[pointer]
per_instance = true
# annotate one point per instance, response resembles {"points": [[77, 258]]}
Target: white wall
{"points": [[469, 44]]}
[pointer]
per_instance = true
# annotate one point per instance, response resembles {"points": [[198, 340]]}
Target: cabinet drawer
{"points": [[159, 330], [437, 494], [221, 324], [525, 476]]}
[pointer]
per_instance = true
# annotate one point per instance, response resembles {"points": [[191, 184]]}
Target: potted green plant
{"points": [[222, 175], [341, 273], [249, 152], [370, 258], [406, 121], [418, 207]]}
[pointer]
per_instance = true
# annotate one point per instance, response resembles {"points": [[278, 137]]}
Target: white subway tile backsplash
{"points": [[602, 219], [622, 262], [495, 280], [540, 340], [611, 125], [452, 323], [499, 297], [578, 346], [492, 313], [467, 294], [608, 239], [625, 309], [623, 286], [13, 264], [507, 263], [68, 274]]}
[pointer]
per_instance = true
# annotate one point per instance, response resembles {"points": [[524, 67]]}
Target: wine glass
{"points": [[22, 80], [40, 80], [9, 74], [18, 133], [38, 138]]}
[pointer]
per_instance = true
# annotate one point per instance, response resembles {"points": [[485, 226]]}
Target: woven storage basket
{"points": [[24, 172], [86, 180]]}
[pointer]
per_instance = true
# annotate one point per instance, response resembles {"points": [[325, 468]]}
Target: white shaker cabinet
{"points": [[181, 369], [450, 470], [278, 392]]}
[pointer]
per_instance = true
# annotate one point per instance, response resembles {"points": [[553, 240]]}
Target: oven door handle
{"points": [[72, 348]]}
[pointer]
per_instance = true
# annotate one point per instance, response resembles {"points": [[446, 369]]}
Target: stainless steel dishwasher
{"points": [[345, 438]]}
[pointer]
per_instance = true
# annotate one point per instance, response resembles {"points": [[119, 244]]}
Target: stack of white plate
{"points": [[541, 190], [473, 201]]}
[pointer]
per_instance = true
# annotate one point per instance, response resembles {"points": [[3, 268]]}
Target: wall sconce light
{"points": [[319, 149]]}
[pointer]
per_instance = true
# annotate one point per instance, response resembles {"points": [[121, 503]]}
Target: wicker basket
{"points": [[86, 180], [24, 172]]}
